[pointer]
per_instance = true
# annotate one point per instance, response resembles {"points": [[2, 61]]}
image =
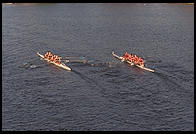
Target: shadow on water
{"points": [[169, 78], [106, 69], [92, 63], [87, 79]]}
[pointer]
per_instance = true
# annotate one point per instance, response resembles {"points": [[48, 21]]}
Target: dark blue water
{"points": [[104, 93]]}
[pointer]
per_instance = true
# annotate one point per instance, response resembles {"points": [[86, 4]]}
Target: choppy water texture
{"points": [[104, 93]]}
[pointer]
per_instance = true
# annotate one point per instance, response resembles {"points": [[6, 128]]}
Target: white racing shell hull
{"points": [[62, 65], [142, 67]]}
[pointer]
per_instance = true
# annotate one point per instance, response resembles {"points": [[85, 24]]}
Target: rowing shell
{"points": [[122, 59], [62, 65]]}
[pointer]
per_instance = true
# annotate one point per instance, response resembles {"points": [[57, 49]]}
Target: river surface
{"points": [[102, 93]]}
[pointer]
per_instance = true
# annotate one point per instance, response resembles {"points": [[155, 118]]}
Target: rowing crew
{"points": [[134, 59], [53, 58]]}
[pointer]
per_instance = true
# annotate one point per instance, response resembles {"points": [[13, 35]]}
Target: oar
{"points": [[69, 57], [80, 61]]}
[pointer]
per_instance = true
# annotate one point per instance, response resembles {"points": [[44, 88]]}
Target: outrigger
{"points": [[62, 65], [131, 63]]}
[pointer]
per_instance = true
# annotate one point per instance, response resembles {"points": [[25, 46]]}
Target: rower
{"points": [[125, 56], [53, 58], [58, 61], [142, 64], [130, 57], [49, 54], [46, 55], [50, 57], [135, 59], [141, 61]]}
